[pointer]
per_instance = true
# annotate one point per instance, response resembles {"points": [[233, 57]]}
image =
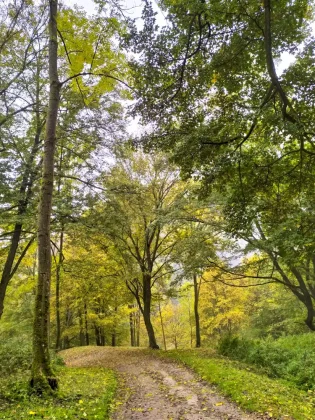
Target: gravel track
{"points": [[151, 388]]}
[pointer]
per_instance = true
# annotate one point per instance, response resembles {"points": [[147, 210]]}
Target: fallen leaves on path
{"points": [[151, 388]]}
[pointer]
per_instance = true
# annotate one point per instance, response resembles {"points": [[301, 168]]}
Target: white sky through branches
{"points": [[133, 8]]}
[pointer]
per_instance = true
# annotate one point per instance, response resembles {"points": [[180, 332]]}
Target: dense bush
{"points": [[291, 358], [15, 354]]}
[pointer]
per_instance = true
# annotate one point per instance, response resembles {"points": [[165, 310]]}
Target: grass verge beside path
{"points": [[84, 393], [251, 391]]}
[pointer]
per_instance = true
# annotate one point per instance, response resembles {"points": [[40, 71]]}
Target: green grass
{"points": [[250, 390], [291, 357], [84, 393]]}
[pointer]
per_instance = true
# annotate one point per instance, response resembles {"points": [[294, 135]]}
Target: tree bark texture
{"points": [[137, 328], [43, 379], [196, 309], [81, 335], [162, 326], [86, 325], [58, 276], [114, 332], [132, 327], [303, 290], [147, 297], [99, 336], [190, 325]]}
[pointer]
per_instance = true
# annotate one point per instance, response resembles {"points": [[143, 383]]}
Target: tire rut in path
{"points": [[155, 389]]}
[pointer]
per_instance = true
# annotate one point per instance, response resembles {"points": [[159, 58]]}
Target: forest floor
{"points": [[155, 388]]}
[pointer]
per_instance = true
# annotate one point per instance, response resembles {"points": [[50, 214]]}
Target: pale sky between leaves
{"points": [[133, 9]]}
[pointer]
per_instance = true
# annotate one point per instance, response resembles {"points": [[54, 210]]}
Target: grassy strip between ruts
{"points": [[250, 390], [84, 393]]}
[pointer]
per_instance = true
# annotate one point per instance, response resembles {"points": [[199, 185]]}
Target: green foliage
{"points": [[87, 47], [229, 344], [15, 355], [202, 84], [207, 82], [291, 358], [252, 391], [84, 393]]}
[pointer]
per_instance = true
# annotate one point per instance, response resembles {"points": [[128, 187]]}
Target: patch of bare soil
{"points": [[155, 389]]}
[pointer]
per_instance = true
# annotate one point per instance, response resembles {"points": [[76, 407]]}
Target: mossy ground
{"points": [[250, 390], [84, 393]]}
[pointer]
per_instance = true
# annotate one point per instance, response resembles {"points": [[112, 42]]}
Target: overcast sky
{"points": [[133, 7]]}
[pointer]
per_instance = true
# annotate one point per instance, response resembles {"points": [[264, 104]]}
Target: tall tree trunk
{"points": [[81, 335], [190, 325], [196, 309], [102, 337], [175, 342], [97, 335], [58, 272], [59, 263], [137, 328], [162, 326], [147, 298], [309, 321], [42, 375], [115, 327], [132, 326], [87, 337]]}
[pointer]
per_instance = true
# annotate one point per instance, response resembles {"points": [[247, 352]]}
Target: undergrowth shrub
{"points": [[15, 355], [291, 357], [234, 346]]}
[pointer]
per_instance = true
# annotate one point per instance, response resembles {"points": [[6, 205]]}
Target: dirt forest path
{"points": [[151, 388]]}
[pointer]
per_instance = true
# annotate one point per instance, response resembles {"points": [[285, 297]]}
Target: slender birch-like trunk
{"points": [[58, 278], [162, 326], [43, 379], [196, 309]]}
